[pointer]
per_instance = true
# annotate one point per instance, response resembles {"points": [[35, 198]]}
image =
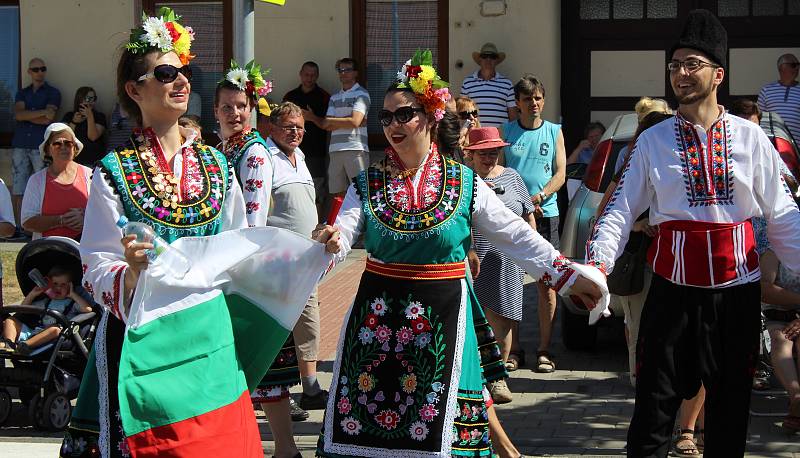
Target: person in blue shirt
{"points": [[35, 108], [537, 153]]}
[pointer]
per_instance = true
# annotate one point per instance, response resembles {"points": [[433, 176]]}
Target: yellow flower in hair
{"points": [[183, 43], [418, 85], [428, 73]]}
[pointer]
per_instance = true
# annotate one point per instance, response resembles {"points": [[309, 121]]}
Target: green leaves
{"points": [[422, 57]]}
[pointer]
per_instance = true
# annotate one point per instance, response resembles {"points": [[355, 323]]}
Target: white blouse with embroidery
{"points": [[684, 173]]}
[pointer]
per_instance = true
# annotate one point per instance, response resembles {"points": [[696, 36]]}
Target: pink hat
{"points": [[485, 138]]}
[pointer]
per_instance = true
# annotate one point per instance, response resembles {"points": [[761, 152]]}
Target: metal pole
{"points": [[244, 31]]}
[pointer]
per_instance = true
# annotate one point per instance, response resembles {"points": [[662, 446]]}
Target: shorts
{"points": [[547, 227], [344, 166], [24, 162], [306, 331], [26, 333]]}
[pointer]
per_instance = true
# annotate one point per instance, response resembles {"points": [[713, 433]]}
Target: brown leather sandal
{"points": [[684, 445]]}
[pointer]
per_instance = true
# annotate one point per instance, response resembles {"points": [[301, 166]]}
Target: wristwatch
{"points": [[542, 196]]}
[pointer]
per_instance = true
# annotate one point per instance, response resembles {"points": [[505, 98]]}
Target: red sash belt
{"points": [[704, 254], [418, 271]]}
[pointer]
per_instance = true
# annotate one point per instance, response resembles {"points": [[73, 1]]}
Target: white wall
{"points": [[529, 33], [302, 30], [612, 74], [751, 68], [79, 41]]}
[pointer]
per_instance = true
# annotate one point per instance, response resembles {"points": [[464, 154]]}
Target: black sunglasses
{"points": [[43, 68], [466, 114], [402, 114], [489, 56], [166, 73]]}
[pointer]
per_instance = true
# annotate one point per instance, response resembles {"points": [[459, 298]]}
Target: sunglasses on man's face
{"points": [[345, 70], [402, 115], [63, 144], [166, 73], [43, 68], [464, 115], [792, 64], [489, 56]]}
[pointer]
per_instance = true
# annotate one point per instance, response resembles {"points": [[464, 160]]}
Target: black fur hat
{"points": [[705, 33]]}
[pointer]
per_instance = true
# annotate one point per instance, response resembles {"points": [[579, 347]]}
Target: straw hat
{"points": [[58, 127], [485, 138], [488, 48]]}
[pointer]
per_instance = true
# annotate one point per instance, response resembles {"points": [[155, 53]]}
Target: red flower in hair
{"points": [[412, 71], [174, 34], [250, 88]]}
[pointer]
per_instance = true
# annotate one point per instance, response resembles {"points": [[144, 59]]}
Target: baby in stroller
{"points": [[25, 335]]}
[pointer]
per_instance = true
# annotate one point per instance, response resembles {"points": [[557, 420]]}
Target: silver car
{"points": [[594, 179]]}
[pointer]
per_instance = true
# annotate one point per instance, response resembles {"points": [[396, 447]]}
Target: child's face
{"points": [[60, 286]]}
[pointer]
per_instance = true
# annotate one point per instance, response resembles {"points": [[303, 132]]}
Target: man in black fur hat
{"points": [[704, 174]]}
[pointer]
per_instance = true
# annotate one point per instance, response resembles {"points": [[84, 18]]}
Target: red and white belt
{"points": [[708, 255]]}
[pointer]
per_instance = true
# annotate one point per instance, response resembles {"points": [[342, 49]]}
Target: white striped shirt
{"points": [[494, 97], [342, 105], [784, 100]]}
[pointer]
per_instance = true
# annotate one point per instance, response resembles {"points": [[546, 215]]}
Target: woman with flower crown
{"points": [[407, 379], [168, 179]]}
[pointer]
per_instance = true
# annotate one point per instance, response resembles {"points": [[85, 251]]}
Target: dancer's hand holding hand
{"points": [[587, 291], [329, 235]]}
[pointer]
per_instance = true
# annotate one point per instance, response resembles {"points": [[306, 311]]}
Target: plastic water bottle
{"points": [[36, 276], [178, 264]]}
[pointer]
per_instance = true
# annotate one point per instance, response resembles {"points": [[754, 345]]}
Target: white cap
{"points": [[58, 127]]}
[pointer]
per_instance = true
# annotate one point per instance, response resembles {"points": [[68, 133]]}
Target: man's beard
{"points": [[700, 94]]}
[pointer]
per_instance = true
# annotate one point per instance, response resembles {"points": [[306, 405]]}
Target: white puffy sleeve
{"points": [[513, 236], [101, 251], [631, 197], [255, 173], [234, 215], [350, 223], [777, 204]]}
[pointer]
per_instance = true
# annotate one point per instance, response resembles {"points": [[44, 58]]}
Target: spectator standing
{"points": [[7, 225], [347, 110], [491, 91], [783, 96], [35, 107], [582, 154], [88, 124], [120, 129], [56, 196], [310, 96], [537, 153]]}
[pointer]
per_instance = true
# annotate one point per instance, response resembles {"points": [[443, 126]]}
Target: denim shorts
{"points": [[26, 333], [24, 162]]}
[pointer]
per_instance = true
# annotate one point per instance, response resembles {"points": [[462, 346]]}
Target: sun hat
{"points": [[58, 127], [485, 138], [488, 48]]}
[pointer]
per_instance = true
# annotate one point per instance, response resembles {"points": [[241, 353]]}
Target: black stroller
{"points": [[49, 378]]}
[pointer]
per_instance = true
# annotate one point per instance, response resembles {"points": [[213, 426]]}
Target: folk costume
{"points": [[701, 320], [407, 380]]}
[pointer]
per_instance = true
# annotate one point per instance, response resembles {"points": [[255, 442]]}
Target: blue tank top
{"points": [[532, 154]]}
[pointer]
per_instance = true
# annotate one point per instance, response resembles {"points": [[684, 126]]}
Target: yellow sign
{"points": [[277, 2]]}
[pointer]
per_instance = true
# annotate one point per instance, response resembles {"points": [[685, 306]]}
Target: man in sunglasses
{"points": [[35, 108], [783, 96], [704, 174], [491, 91], [347, 110]]}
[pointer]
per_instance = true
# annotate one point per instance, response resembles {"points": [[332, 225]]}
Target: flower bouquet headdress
{"points": [[250, 79], [163, 33], [419, 75]]}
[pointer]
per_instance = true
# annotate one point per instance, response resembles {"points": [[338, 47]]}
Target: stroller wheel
{"points": [[5, 406], [55, 411]]}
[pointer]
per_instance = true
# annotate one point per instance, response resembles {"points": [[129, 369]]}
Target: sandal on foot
{"points": [[515, 360], [8, 345], [544, 362], [684, 445], [700, 439]]}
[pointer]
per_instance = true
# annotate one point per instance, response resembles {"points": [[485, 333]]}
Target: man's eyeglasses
{"points": [[402, 114], [293, 130], [63, 144], [489, 56], [691, 65], [344, 70], [464, 115], [166, 73], [43, 68]]}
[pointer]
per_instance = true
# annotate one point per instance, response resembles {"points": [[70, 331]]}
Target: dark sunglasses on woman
{"points": [[402, 114], [464, 115], [166, 73]]}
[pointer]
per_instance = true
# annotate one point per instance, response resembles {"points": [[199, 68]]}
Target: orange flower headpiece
{"points": [[419, 75]]}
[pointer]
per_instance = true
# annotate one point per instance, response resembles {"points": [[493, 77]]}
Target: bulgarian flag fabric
{"points": [[195, 346]]}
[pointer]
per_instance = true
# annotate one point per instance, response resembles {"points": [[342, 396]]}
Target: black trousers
{"points": [[687, 336]]}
